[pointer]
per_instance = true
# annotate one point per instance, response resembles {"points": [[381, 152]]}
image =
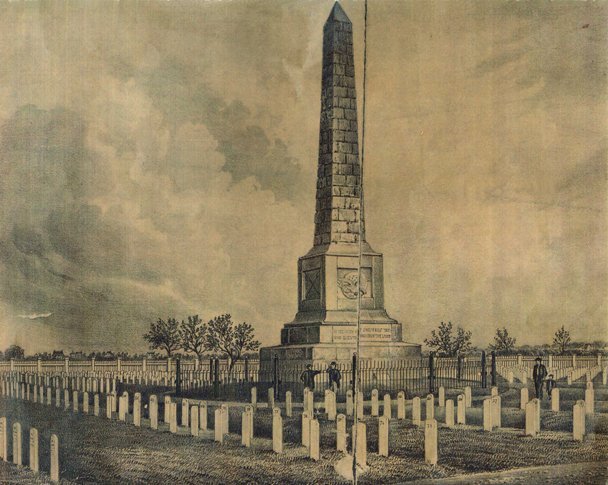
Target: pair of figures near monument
{"points": [[540, 377], [308, 376]]}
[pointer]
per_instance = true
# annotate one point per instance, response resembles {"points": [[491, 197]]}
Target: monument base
{"points": [[324, 353]]}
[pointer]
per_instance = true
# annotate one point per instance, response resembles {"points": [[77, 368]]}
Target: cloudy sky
{"points": [[159, 158]]}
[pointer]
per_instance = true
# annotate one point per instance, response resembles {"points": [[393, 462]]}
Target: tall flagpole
{"points": [[357, 360]]}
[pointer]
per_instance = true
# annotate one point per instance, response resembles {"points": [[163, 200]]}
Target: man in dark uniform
{"points": [[551, 384], [538, 375], [308, 376], [334, 376]]}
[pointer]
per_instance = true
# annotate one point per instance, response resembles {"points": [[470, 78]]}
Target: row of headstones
{"points": [[555, 399], [330, 402], [86, 383], [571, 374], [590, 374], [125, 376], [76, 379], [34, 457]]}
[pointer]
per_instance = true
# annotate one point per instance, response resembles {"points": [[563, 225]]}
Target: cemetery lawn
{"points": [[95, 450]]}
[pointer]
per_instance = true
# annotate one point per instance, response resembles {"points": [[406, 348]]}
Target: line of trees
{"points": [[219, 336], [449, 341]]}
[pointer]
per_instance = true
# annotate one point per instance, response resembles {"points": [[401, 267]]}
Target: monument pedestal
{"points": [[340, 353]]}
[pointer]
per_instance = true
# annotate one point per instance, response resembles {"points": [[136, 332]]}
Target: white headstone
{"points": [[468, 397], [185, 413], [496, 412], [531, 416], [449, 413], [288, 404], [388, 411], [34, 455], [523, 398], [245, 429], [349, 403], [313, 448], [54, 458], [430, 442], [3, 439], [375, 406], [383, 429], [555, 400], [441, 397], [173, 417], [277, 431], [359, 432], [153, 411], [341, 433], [416, 411], [202, 415], [589, 400], [578, 421], [461, 415], [17, 445], [306, 417], [401, 405], [487, 414], [137, 409], [194, 427], [219, 426], [430, 407]]}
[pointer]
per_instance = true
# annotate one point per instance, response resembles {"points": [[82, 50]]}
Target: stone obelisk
{"points": [[325, 327]]}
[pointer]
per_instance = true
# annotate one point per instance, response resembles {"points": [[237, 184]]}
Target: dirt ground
{"points": [[94, 450]]}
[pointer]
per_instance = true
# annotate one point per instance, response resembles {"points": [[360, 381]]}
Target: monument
{"points": [[325, 326]]}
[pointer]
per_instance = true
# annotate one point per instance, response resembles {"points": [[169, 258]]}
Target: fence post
{"points": [[275, 376], [216, 377], [431, 372], [67, 364], [354, 372], [178, 377], [493, 368], [39, 366], [459, 367], [246, 369], [484, 376], [12, 365]]}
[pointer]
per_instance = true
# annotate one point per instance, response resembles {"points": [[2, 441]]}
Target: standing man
{"points": [[538, 375], [308, 377], [334, 376]]}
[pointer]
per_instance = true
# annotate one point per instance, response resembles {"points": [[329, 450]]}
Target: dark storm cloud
{"points": [[248, 150]]}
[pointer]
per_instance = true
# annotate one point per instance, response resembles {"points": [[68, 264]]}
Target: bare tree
{"points": [[562, 339], [503, 343], [445, 342], [164, 335], [225, 337], [192, 335]]}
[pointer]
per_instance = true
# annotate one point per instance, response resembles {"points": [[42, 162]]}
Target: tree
{"points": [[192, 335], [446, 343], [225, 337], [562, 339], [14, 352], [502, 342], [164, 335]]}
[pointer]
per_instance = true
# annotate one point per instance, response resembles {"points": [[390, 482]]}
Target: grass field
{"points": [[95, 450]]}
